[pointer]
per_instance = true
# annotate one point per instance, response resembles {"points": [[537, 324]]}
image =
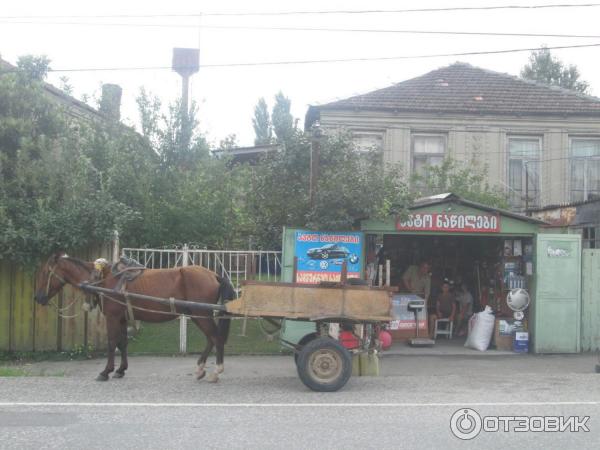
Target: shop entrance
{"points": [[479, 271]]}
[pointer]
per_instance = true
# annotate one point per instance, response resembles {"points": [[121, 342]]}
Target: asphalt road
{"points": [[260, 403]]}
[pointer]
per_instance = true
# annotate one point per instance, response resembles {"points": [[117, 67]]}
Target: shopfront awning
{"points": [[449, 213]]}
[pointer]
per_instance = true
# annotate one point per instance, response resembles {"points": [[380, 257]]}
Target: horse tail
{"points": [[226, 293]]}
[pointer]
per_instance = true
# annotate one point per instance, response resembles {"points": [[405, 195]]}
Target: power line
{"points": [[314, 12], [317, 29], [320, 61]]}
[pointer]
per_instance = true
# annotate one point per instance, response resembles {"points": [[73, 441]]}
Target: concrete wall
{"points": [[480, 135]]}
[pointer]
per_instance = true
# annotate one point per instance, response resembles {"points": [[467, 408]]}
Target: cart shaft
{"points": [[163, 301]]}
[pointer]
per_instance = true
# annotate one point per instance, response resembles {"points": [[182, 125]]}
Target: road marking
{"points": [[296, 405]]}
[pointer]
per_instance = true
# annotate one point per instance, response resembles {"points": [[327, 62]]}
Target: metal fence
{"points": [[235, 265]]}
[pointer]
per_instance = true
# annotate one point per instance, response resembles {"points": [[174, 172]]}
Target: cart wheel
{"points": [[302, 343], [324, 365]]}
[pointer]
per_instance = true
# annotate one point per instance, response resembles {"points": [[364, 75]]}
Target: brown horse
{"points": [[192, 283]]}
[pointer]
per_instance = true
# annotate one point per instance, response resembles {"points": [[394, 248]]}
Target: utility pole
{"points": [[186, 62], [315, 155], [527, 189]]}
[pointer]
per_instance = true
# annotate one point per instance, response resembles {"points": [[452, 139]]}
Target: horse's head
{"points": [[50, 278]]}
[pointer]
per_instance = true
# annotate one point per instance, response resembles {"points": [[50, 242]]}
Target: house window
{"points": [[427, 150], [585, 169], [591, 237], [524, 172], [368, 141]]}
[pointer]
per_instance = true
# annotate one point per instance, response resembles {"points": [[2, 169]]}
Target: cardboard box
{"points": [[502, 340]]}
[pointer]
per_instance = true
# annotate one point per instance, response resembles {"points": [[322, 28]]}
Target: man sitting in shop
{"points": [[445, 307]]}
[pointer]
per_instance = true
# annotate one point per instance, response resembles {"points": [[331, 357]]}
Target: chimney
{"points": [[110, 103]]}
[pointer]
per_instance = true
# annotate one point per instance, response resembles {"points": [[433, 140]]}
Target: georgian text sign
{"points": [[451, 222]]}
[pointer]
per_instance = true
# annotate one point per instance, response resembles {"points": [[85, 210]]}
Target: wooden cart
{"points": [[323, 363]]}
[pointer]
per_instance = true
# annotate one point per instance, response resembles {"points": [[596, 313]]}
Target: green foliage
{"points": [[69, 183], [33, 67], [283, 121], [351, 186], [51, 195], [545, 68], [261, 122], [467, 180]]}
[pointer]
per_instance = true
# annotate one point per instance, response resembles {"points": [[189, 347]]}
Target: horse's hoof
{"points": [[119, 375], [212, 378], [102, 377], [200, 375]]}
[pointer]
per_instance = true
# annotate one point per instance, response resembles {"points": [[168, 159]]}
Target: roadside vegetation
{"points": [[22, 371], [67, 182]]}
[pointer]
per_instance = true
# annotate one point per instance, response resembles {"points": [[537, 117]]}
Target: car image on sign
{"points": [[331, 251]]}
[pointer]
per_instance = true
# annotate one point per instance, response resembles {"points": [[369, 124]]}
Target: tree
{"points": [[33, 67], [51, 194], [543, 67], [283, 121], [352, 185], [263, 129], [229, 142], [468, 180], [174, 135]]}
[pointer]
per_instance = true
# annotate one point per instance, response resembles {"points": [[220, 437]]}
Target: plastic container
{"points": [[521, 342]]}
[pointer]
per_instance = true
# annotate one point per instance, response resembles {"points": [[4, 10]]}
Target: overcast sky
{"points": [[227, 95]]}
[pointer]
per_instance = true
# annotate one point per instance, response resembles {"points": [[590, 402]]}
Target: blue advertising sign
{"points": [[321, 255]]}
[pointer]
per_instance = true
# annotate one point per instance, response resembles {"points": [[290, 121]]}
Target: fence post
{"points": [[183, 319], [115, 246]]}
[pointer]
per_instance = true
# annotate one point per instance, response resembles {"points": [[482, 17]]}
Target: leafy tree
{"points": [[51, 195], [173, 135], [283, 121], [468, 180], [545, 68], [229, 142], [33, 67], [261, 122], [351, 186]]}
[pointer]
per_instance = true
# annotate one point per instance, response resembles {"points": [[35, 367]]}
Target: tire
{"points": [[324, 255], [302, 342], [324, 365]]}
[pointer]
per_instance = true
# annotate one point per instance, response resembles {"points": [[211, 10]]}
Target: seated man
{"points": [[445, 307]]}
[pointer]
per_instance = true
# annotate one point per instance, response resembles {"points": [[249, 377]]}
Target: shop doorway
{"points": [[487, 266]]}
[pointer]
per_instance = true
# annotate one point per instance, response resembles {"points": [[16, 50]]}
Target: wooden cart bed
{"points": [[295, 301]]}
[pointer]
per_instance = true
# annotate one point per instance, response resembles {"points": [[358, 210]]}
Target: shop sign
{"points": [[321, 255], [462, 223]]}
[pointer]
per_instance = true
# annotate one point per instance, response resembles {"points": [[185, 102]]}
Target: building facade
{"points": [[540, 144]]}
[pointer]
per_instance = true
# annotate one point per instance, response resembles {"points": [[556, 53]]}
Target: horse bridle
{"points": [[52, 273]]}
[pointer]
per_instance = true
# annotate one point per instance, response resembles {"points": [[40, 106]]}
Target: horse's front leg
{"points": [[122, 346], [113, 329]]}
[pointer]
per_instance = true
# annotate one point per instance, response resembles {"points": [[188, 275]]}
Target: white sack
{"points": [[481, 329]]}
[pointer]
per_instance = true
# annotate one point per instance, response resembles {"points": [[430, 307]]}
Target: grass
{"points": [[161, 338], [13, 372], [18, 371]]}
